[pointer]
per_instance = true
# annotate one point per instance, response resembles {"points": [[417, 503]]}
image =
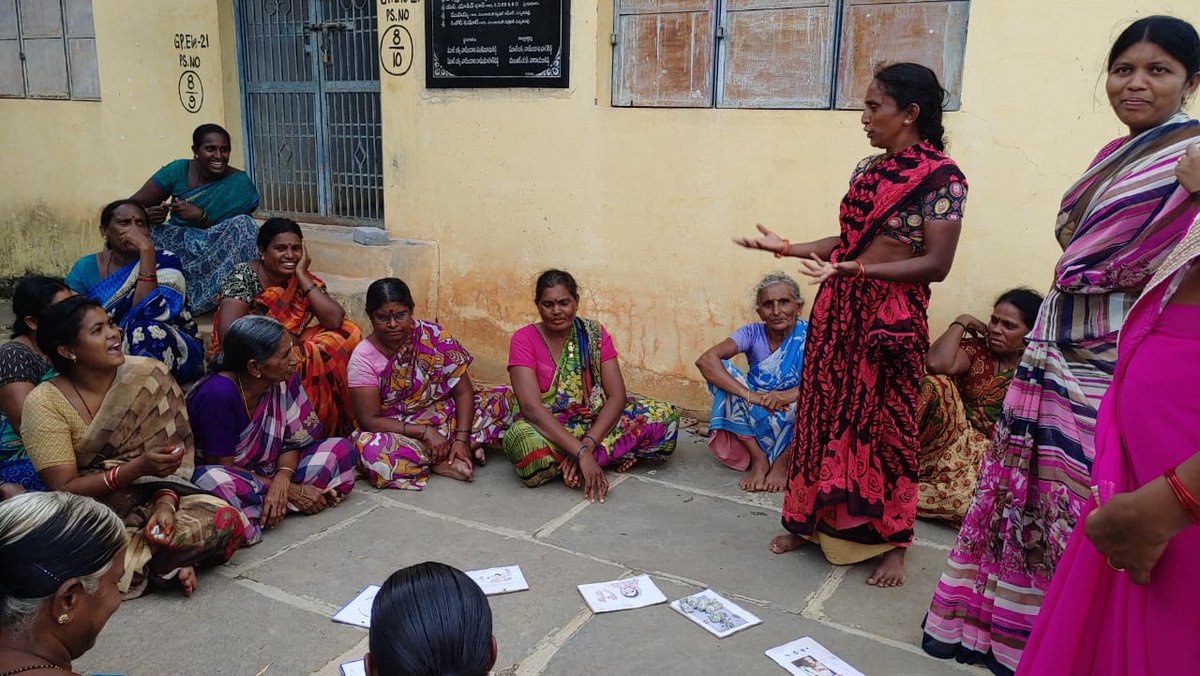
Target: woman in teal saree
{"points": [[200, 209]]}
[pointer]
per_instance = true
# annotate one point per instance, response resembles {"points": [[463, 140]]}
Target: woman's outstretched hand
{"points": [[768, 242], [818, 269]]}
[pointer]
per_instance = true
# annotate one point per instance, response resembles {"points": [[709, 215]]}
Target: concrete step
{"points": [[335, 254], [349, 292]]}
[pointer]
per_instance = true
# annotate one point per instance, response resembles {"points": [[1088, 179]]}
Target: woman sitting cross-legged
{"points": [[115, 428], [753, 414], [576, 416], [142, 289], [280, 286], [201, 210], [257, 437], [23, 366], [63, 556], [416, 407], [960, 400]]}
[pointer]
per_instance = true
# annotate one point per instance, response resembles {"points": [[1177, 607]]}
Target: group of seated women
{"points": [[969, 368], [267, 431], [65, 556]]}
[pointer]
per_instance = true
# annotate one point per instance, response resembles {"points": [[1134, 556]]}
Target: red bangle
{"points": [[783, 250], [1188, 501], [111, 479], [169, 494], [862, 269]]}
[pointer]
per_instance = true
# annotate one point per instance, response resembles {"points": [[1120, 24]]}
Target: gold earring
{"points": [[907, 122], [64, 618], [74, 358]]}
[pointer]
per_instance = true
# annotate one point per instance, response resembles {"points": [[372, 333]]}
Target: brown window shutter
{"points": [[777, 54], [663, 53], [932, 33]]}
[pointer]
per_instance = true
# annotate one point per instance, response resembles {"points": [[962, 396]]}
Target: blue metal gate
{"points": [[310, 84]]}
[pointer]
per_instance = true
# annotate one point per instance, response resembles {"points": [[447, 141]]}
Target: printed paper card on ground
{"points": [[625, 594], [358, 610], [499, 580], [717, 614], [354, 668], [806, 657]]}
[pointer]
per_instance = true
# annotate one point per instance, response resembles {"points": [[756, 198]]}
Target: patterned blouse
{"points": [[908, 224], [242, 283], [982, 387]]}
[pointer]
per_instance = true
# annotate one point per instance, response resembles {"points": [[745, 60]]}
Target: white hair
{"points": [[45, 538]]}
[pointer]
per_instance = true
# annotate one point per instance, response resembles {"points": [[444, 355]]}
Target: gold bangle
{"points": [[290, 469]]}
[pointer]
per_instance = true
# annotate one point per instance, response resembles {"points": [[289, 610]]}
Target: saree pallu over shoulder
{"points": [[853, 473], [1124, 215], [159, 325], [145, 409]]}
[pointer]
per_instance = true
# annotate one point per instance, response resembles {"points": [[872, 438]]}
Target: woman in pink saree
{"points": [[1120, 602]]}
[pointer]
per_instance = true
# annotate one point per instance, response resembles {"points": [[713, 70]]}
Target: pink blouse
{"points": [[526, 348]]}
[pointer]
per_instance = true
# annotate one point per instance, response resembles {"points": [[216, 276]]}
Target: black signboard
{"points": [[497, 43]]}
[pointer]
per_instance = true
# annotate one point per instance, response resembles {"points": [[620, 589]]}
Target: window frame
{"points": [[836, 73], [66, 40]]}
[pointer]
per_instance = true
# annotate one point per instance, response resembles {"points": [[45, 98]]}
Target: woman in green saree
{"points": [[577, 418]]}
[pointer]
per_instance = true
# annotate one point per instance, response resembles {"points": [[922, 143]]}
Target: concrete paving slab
{"points": [[333, 569], [660, 640], [693, 465], [894, 613], [299, 527], [224, 628], [711, 540], [939, 533], [492, 498]]}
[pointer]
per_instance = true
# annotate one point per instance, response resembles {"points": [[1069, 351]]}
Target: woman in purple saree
{"points": [[258, 433]]}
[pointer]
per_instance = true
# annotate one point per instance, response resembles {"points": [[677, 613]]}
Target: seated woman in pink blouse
{"points": [[576, 416], [416, 407]]}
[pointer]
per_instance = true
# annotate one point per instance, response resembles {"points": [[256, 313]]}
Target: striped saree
{"points": [[1117, 225]]}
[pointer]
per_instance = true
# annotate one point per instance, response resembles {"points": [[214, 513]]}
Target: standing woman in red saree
{"points": [[280, 286], [852, 479]]}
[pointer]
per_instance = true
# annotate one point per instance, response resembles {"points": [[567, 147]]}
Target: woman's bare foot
{"points": [[479, 454], [781, 544], [626, 463], [333, 498], [188, 580], [455, 468], [776, 479], [890, 571], [756, 475]]}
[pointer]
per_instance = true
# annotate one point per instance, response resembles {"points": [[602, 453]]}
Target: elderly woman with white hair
{"points": [[753, 413], [61, 557]]}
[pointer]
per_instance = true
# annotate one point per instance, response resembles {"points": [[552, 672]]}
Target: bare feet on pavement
{"points": [[188, 580], [890, 571], [455, 468], [756, 475], [776, 479], [786, 543]]}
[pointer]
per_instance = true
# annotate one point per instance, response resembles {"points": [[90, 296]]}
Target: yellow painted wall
{"points": [[63, 160], [640, 204]]}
